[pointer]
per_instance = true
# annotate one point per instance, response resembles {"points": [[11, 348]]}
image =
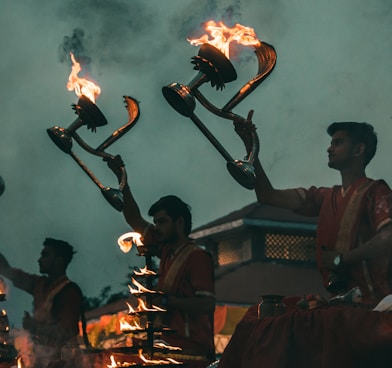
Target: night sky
{"points": [[334, 64]]}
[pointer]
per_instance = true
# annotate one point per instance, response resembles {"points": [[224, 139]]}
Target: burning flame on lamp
{"points": [[223, 36], [144, 271], [81, 86], [168, 361], [126, 241], [126, 326], [157, 361], [3, 289], [140, 288], [143, 308]]}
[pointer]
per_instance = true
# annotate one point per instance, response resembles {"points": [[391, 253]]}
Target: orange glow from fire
{"points": [[126, 241], [223, 36], [81, 86]]}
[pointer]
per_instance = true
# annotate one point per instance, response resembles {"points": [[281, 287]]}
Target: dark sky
{"points": [[334, 64]]}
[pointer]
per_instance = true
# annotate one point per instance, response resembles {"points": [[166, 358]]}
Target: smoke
{"points": [[24, 346], [77, 45], [108, 31], [189, 23]]}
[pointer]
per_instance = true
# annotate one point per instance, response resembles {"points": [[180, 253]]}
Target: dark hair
{"points": [[61, 248], [359, 133], [175, 208]]}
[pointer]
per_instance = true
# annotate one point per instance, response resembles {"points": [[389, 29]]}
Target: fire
{"points": [[143, 308], [144, 271], [140, 288], [126, 326], [81, 86], [162, 345], [149, 362], [3, 287], [223, 36], [126, 241], [157, 361]]}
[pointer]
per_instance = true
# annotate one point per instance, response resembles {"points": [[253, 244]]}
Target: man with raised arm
{"points": [[353, 252], [186, 274], [57, 303], [354, 231]]}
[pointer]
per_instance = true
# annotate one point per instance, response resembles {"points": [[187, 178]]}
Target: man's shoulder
{"points": [[71, 287], [200, 251]]}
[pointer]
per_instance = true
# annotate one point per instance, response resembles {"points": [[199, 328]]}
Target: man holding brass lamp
{"points": [[354, 236], [186, 274], [353, 253]]}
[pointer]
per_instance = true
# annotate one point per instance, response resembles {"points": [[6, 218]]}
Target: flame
{"points": [[126, 326], [168, 361], [19, 360], [3, 287], [81, 86], [143, 308], [144, 271], [223, 36], [126, 241], [113, 363], [165, 346], [140, 288], [157, 361]]}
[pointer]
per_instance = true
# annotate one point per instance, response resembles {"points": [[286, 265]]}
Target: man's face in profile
{"points": [[47, 260], [165, 228]]}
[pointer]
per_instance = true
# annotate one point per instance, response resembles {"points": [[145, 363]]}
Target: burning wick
{"points": [[143, 308], [144, 271], [81, 86], [126, 241], [140, 288], [223, 36]]}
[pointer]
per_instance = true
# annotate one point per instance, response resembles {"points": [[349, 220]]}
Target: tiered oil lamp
{"points": [[145, 318], [7, 351]]}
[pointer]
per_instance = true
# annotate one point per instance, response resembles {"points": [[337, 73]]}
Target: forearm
{"points": [[267, 194], [131, 211]]}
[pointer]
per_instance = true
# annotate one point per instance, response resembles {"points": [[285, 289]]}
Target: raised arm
{"points": [[265, 192], [131, 209]]}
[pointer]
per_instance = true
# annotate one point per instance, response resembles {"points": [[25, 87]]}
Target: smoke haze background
{"points": [[334, 64]]}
